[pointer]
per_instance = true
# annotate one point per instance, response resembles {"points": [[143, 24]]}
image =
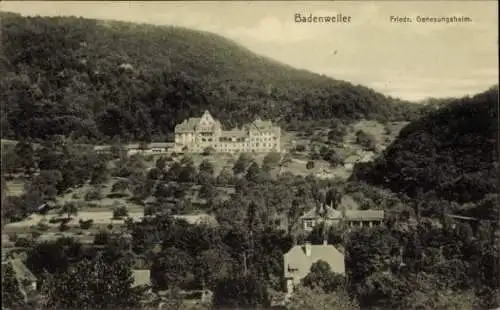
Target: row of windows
{"points": [[229, 145]]}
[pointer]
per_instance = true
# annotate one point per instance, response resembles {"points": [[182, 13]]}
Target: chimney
{"points": [[307, 248]]}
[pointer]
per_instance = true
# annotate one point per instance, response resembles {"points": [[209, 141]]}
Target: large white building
{"points": [[201, 133]]}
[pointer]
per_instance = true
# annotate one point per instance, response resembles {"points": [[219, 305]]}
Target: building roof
{"points": [[313, 214], [150, 200], [236, 133], [197, 219], [160, 145], [367, 215], [352, 159], [192, 123], [141, 277], [346, 203], [261, 125], [297, 264]]}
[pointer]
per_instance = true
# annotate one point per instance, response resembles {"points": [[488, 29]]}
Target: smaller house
{"points": [[300, 258]]}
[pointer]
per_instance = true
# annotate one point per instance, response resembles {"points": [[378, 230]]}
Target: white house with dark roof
{"points": [[298, 261], [199, 133]]}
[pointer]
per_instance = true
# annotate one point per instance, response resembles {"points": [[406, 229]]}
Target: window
{"points": [[309, 224], [292, 269]]}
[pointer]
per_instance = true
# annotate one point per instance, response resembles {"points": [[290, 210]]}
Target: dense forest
{"points": [[448, 155], [97, 80]]}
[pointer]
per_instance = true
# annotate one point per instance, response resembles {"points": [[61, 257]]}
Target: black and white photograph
{"points": [[240, 155]]}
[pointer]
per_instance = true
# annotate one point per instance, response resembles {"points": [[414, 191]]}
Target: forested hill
{"points": [[449, 154], [100, 79]]}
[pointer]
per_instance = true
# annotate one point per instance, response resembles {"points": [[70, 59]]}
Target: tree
{"points": [[26, 154], [315, 299], [172, 268], [225, 177], [53, 257], [207, 167], [94, 284], [120, 212], [99, 173], [12, 297], [366, 140], [254, 173], [240, 292], [11, 162], [69, 208], [161, 163], [212, 266], [120, 186], [271, 160], [310, 164], [187, 172], [321, 276], [207, 191], [241, 164]]}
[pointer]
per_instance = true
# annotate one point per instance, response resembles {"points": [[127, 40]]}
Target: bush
{"points": [[120, 212], [23, 242], [93, 194], [208, 151], [36, 234], [310, 164], [63, 227], [86, 224], [101, 238], [300, 148], [43, 226], [366, 140], [75, 196]]}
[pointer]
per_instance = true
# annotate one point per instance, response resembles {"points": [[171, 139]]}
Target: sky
{"points": [[411, 61]]}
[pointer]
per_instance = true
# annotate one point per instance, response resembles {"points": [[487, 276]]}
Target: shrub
{"points": [[63, 227], [43, 226], [310, 164], [102, 238], [86, 224], [300, 148], [93, 194], [35, 234], [208, 151], [23, 242], [366, 140], [120, 212]]}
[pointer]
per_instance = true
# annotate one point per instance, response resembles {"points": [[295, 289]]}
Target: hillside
{"points": [[449, 154], [100, 79]]}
